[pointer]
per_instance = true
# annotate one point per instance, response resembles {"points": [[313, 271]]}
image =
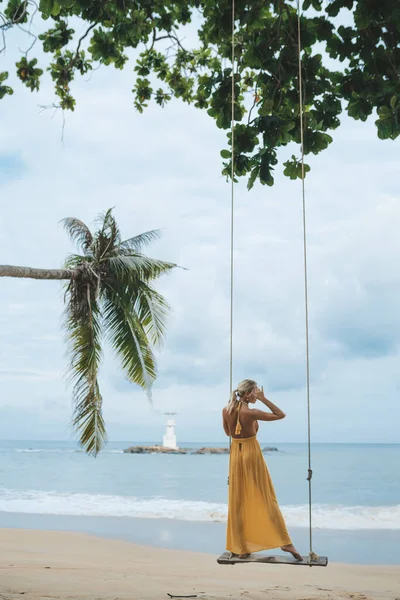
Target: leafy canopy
{"points": [[367, 79], [110, 297]]}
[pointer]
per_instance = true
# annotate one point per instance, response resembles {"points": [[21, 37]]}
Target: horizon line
{"points": [[269, 443]]}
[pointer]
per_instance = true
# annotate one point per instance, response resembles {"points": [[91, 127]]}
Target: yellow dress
{"points": [[255, 521]]}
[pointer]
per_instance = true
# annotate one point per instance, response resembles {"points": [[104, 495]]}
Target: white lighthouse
{"points": [[169, 439]]}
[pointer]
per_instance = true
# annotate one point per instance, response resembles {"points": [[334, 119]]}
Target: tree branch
{"points": [[56, 108], [28, 31], [255, 98], [10, 22], [3, 35], [153, 40], [89, 29], [169, 37], [29, 273], [30, 27]]}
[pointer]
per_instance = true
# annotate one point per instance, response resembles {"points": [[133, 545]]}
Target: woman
{"points": [[255, 521]]}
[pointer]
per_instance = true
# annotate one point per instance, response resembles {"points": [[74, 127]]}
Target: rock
{"points": [[204, 450], [211, 451], [153, 450]]}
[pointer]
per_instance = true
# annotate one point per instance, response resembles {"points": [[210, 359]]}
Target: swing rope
{"points": [[312, 555], [232, 206]]}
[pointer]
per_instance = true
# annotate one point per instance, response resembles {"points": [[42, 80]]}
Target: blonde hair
{"points": [[247, 385]]}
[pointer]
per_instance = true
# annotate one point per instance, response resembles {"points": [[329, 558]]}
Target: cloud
{"points": [[12, 167], [162, 169], [358, 306], [368, 324], [29, 375]]}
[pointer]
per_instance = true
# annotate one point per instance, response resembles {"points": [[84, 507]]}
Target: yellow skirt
{"points": [[255, 521]]}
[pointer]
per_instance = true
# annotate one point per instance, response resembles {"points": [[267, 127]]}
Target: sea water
{"points": [[355, 492]]}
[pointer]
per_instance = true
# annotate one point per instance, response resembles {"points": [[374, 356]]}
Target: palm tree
{"points": [[109, 295]]}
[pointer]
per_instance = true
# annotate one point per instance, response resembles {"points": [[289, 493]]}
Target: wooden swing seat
{"points": [[227, 558]]}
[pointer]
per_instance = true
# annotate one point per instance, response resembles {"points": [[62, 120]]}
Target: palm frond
{"points": [[108, 237], [128, 339], [137, 267], [78, 232], [83, 328], [103, 218], [75, 260], [88, 417], [110, 228], [151, 310], [137, 242]]}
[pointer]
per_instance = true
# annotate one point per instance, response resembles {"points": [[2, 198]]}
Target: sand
{"points": [[48, 565]]}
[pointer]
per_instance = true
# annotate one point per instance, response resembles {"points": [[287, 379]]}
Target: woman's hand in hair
{"points": [[259, 394]]}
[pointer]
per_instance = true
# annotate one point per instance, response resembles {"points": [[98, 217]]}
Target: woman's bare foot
{"points": [[290, 548], [244, 555]]}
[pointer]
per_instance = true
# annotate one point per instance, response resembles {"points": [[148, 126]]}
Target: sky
{"points": [[162, 170]]}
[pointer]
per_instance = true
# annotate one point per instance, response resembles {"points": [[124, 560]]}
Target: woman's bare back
{"points": [[247, 421]]}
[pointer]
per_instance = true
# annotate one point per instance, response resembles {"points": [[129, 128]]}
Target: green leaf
{"points": [[265, 173], [46, 7], [127, 336], [79, 233], [388, 125], [384, 113], [226, 154], [253, 176], [136, 243], [129, 266], [291, 169], [4, 89], [68, 102], [266, 108], [294, 170], [82, 323], [316, 4], [55, 11], [28, 73], [152, 311]]}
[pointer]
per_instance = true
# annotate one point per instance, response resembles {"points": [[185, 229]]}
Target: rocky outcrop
{"points": [[162, 450], [211, 451], [153, 450]]}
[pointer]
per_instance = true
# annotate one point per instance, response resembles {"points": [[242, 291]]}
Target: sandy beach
{"points": [[50, 564]]}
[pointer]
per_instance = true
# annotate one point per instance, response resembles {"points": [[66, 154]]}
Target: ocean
{"points": [[180, 501]]}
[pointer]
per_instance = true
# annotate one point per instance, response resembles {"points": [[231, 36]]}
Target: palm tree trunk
{"points": [[28, 272]]}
